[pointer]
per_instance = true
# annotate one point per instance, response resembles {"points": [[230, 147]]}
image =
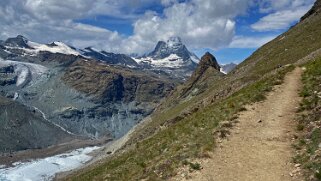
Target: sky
{"points": [[230, 29]]}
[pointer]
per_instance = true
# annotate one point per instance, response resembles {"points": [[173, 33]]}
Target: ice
{"points": [[45, 169], [172, 61], [23, 73], [59, 48], [25, 70]]}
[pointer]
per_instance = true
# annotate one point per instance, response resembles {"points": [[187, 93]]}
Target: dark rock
{"points": [[29, 130], [72, 113], [316, 9], [7, 70], [8, 79], [110, 58], [18, 41]]}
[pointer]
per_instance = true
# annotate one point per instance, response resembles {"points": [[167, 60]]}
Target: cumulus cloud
{"points": [[250, 42], [200, 23], [282, 13]]}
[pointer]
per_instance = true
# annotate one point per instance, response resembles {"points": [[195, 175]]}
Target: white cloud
{"points": [[282, 13], [168, 2], [250, 42], [200, 23]]}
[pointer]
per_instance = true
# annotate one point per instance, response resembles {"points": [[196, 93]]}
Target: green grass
{"points": [[309, 116], [158, 157]]}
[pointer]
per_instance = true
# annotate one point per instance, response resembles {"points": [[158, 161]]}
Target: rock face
{"points": [[208, 70], [207, 61], [316, 9], [22, 128], [110, 58], [207, 64], [18, 41]]}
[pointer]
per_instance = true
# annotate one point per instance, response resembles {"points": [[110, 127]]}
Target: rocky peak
{"points": [[174, 42], [207, 70], [208, 60], [19, 41], [173, 45], [314, 10]]}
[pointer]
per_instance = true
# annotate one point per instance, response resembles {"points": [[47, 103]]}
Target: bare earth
{"points": [[259, 148]]}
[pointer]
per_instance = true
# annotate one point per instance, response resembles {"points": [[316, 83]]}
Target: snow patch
{"points": [[195, 59], [58, 47], [45, 169], [172, 61], [222, 70], [16, 96], [23, 73]]}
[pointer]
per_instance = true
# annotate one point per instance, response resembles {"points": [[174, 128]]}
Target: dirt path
{"points": [[259, 148]]}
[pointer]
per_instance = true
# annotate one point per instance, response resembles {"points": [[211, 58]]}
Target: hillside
{"points": [[184, 129]]}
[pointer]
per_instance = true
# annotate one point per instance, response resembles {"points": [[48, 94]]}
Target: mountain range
{"points": [[83, 93]]}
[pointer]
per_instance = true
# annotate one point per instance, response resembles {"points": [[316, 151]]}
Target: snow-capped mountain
{"points": [[110, 58], [172, 57], [22, 45], [227, 68]]}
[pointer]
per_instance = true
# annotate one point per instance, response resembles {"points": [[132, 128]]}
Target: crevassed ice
{"points": [[45, 169]]}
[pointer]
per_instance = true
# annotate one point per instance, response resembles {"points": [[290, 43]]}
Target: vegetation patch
{"points": [[309, 122]]}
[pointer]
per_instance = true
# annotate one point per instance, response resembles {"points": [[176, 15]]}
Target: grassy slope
{"points": [[157, 156], [309, 122]]}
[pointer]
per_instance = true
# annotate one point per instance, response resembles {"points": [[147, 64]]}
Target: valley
{"points": [[72, 111]]}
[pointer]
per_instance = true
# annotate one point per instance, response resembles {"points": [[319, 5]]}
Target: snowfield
{"points": [[45, 169], [57, 47], [172, 61]]}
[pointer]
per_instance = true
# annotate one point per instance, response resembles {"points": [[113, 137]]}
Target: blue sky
{"points": [[230, 29]]}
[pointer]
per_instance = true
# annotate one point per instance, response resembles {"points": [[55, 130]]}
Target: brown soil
{"points": [[259, 147]]}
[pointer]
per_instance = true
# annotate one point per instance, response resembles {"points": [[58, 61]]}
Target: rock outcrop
{"points": [[316, 9]]}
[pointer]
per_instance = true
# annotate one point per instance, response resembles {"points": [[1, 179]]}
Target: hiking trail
{"points": [[259, 147]]}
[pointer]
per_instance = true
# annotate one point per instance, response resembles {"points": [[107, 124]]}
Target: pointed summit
{"points": [[170, 57], [207, 70], [173, 45], [174, 42], [314, 10], [208, 60], [19, 41]]}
